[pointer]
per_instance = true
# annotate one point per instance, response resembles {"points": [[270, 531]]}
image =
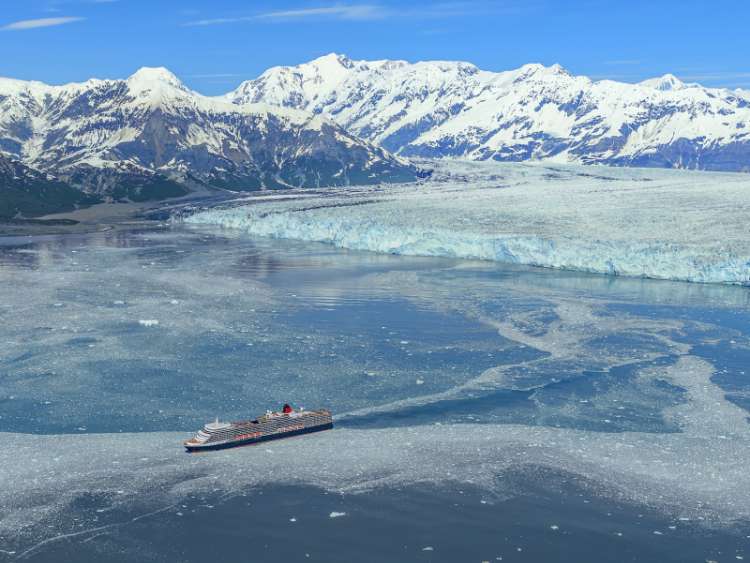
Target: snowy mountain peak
{"points": [[332, 59], [664, 83], [534, 69], [558, 69], [146, 78]]}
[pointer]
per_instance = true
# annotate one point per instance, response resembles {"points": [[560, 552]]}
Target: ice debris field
{"points": [[663, 224], [118, 345]]}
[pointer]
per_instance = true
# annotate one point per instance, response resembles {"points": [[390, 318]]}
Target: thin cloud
{"points": [[354, 12], [716, 76], [363, 12], [219, 21], [357, 12], [41, 22]]}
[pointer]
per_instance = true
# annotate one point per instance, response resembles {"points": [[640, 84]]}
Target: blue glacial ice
{"points": [[662, 224]]}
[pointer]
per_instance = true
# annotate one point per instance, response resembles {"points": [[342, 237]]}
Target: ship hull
{"points": [[257, 439]]}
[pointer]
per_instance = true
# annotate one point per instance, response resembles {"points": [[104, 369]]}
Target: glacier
{"points": [[661, 224]]}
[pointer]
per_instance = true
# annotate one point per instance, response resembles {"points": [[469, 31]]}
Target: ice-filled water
{"points": [[445, 373], [666, 224]]}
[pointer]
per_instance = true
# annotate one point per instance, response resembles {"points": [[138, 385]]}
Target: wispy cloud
{"points": [[41, 22], [363, 12], [716, 76], [353, 12], [219, 21], [356, 12]]}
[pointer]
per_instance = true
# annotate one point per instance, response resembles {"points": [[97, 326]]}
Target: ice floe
{"points": [[696, 470]]}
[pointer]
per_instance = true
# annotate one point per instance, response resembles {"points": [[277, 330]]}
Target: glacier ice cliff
{"points": [[663, 224]]}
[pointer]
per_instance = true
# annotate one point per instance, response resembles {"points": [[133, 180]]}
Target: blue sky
{"points": [[215, 44]]}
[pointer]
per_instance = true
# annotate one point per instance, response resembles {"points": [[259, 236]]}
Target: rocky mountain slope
{"points": [[454, 109], [25, 192], [149, 137]]}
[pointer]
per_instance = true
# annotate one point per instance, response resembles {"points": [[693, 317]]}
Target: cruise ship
{"points": [[271, 426]]}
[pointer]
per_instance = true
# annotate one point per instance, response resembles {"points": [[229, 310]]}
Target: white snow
{"points": [[455, 109], [664, 83], [434, 108], [678, 225], [99, 115]]}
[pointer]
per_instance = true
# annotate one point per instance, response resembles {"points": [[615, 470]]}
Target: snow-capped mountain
{"points": [[159, 135], [454, 109], [333, 121]]}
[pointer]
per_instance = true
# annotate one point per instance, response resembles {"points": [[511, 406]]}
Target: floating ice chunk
{"points": [[336, 514], [148, 322], [428, 548]]}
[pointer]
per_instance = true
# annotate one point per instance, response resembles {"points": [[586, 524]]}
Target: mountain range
{"points": [[336, 121], [453, 109], [151, 137]]}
